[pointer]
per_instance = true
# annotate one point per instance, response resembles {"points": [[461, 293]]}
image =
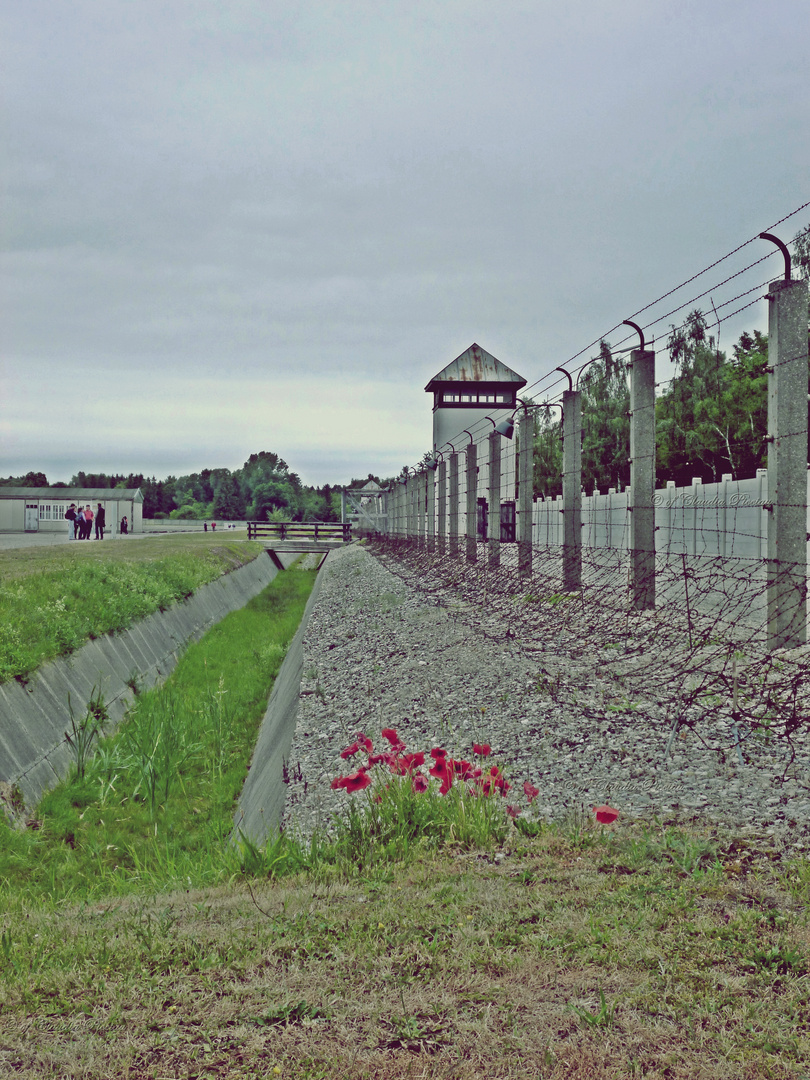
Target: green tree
{"points": [[34, 479], [267, 484], [605, 422], [547, 455], [801, 253], [713, 417], [229, 503]]}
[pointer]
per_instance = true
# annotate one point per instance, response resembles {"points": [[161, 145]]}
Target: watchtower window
{"points": [[504, 399]]}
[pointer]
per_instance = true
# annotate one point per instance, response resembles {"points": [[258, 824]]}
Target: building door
{"points": [[111, 516], [31, 517], [507, 523]]}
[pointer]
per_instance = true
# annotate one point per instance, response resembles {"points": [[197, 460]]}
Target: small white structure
{"points": [[472, 386], [365, 508], [42, 509]]}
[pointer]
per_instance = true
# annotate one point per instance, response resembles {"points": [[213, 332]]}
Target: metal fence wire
{"points": [[693, 598]]}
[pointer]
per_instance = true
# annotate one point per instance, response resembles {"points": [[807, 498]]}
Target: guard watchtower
{"points": [[473, 386]]}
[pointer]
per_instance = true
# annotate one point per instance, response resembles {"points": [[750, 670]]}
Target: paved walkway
{"points": [[48, 539]]}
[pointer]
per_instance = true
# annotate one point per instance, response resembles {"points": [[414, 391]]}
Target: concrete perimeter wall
{"points": [[34, 754]]}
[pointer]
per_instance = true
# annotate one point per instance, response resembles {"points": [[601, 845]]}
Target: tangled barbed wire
{"points": [[698, 660]]}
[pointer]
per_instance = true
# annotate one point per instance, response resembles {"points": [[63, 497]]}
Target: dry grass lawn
{"points": [[630, 955]]}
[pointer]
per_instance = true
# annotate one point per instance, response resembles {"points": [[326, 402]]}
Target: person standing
{"points": [[70, 515], [88, 522], [124, 525], [101, 521]]}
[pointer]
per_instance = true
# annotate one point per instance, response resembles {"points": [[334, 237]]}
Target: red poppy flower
{"points": [[530, 791], [391, 735], [407, 763], [464, 769], [438, 753], [350, 751], [419, 782], [443, 772], [512, 811], [364, 741], [484, 749], [605, 814], [356, 782]]}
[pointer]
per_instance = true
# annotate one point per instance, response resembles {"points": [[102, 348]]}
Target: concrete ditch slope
{"points": [[261, 804], [34, 754]]}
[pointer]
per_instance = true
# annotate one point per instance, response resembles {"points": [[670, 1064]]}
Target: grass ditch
{"points": [[52, 601], [151, 806]]}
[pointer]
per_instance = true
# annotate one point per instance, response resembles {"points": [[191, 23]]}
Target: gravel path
{"points": [[380, 653]]}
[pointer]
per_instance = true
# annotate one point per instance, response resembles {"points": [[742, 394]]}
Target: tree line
{"points": [[263, 488], [711, 419]]}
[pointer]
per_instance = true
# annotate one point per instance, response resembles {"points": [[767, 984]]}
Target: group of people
{"points": [[80, 522]]}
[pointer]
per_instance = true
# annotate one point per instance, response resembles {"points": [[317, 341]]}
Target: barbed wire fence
{"points": [[688, 604]]}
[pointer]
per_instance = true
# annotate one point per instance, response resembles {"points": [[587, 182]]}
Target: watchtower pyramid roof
{"points": [[476, 365]]}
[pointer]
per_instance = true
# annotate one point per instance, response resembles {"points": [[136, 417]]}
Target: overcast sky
{"points": [[241, 225]]}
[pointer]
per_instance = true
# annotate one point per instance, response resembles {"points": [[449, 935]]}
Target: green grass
{"points": [[592, 956], [53, 601], [155, 804]]}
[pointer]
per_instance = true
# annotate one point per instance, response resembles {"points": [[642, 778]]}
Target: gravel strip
{"points": [[380, 653]]}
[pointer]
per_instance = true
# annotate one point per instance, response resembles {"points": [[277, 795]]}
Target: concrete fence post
{"points": [[787, 465], [572, 489], [472, 503], [416, 485], [697, 501], [430, 499], [526, 451], [421, 494], [762, 477], [453, 507], [494, 499], [442, 507], [725, 480], [642, 478]]}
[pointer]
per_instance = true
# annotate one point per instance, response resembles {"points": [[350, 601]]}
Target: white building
{"points": [[475, 385], [42, 509]]}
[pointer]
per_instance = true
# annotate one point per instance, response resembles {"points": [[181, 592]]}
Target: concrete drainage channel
{"points": [[34, 754], [261, 804]]}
